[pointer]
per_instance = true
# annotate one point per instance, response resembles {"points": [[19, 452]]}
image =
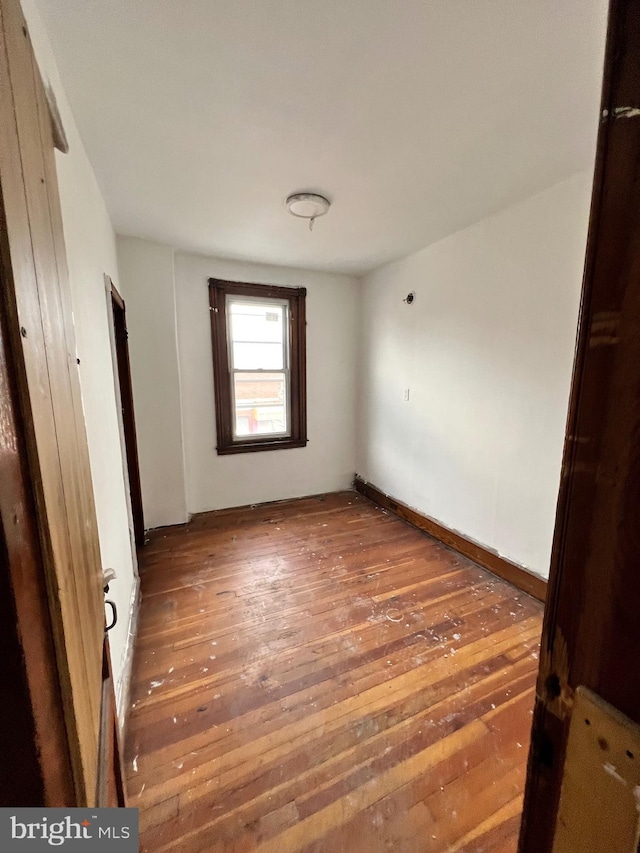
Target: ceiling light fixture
{"points": [[308, 206]]}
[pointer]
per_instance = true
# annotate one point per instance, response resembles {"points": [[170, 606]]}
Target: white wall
{"points": [[172, 371], [146, 271], [327, 463], [91, 252], [486, 350]]}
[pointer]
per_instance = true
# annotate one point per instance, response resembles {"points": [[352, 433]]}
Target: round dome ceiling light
{"points": [[308, 206]]}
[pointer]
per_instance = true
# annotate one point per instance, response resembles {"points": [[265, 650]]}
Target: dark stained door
{"points": [[128, 414], [591, 635]]}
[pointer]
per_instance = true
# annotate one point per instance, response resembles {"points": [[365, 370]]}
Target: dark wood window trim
{"points": [[296, 298]]}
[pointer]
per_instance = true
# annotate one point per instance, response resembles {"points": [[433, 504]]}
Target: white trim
{"points": [[123, 687]]}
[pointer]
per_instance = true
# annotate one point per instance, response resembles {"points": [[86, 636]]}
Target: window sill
{"points": [[256, 446]]}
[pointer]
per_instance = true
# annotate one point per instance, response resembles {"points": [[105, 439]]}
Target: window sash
{"points": [[285, 370], [286, 433], [266, 303]]}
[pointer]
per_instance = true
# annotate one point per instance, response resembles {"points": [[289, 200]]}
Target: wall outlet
{"points": [[405, 395]]}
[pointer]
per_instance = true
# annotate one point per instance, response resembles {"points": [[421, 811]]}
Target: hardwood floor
{"points": [[318, 676]]}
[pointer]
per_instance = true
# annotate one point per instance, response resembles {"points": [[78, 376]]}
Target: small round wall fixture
{"points": [[307, 206]]}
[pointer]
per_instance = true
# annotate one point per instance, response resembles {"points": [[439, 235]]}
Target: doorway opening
{"points": [[121, 342]]}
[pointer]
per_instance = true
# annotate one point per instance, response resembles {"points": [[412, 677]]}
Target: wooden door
{"points": [[121, 339], [591, 639], [36, 301]]}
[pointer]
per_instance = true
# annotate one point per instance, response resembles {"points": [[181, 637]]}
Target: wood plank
{"points": [[41, 330], [73, 450], [27, 595], [524, 579], [315, 675]]}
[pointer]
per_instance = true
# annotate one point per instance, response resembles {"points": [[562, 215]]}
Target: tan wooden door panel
{"points": [[58, 456]]}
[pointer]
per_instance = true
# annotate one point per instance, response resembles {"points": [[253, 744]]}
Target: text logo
{"points": [[71, 829]]}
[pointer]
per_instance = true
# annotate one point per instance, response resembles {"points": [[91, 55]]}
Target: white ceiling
{"points": [[415, 117]]}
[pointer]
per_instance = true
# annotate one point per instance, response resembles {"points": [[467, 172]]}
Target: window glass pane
{"points": [[260, 404], [257, 335], [253, 356]]}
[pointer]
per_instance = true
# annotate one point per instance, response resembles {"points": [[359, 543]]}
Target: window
{"points": [[259, 366]]}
